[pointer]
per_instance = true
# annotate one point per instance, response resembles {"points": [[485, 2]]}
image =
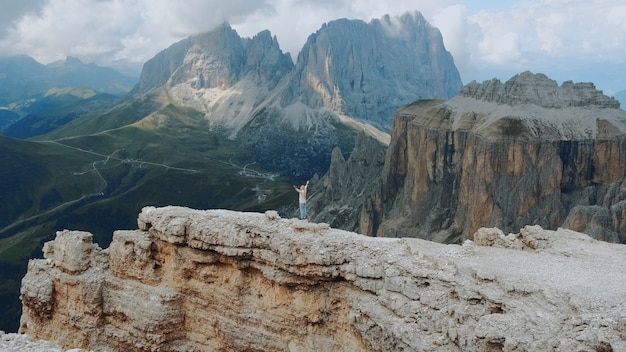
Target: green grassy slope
{"points": [[57, 109], [99, 180]]}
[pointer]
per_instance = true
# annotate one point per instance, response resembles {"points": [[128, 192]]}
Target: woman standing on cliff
{"points": [[302, 198]]}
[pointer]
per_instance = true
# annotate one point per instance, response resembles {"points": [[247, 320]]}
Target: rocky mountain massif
{"points": [[349, 76], [192, 280], [526, 151]]}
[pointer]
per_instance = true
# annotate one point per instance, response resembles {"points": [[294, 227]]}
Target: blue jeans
{"points": [[302, 210]]}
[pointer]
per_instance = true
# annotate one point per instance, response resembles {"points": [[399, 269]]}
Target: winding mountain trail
{"points": [[8, 242]]}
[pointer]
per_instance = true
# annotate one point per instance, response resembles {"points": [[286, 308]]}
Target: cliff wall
{"points": [[441, 178], [526, 151], [227, 281]]}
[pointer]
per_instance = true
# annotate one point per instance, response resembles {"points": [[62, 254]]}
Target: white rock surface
{"points": [[223, 280], [23, 343]]}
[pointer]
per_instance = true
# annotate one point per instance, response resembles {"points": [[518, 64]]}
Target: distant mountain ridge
{"points": [[22, 77], [36, 98]]}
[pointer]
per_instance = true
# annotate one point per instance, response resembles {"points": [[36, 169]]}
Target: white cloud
{"points": [[556, 37], [500, 42], [453, 25], [132, 30], [293, 21], [595, 29], [500, 36]]}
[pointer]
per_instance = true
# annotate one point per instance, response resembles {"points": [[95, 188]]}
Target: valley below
{"points": [[97, 181]]}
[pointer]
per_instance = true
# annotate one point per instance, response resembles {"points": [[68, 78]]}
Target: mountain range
{"points": [[36, 98], [22, 77], [349, 76], [215, 121]]}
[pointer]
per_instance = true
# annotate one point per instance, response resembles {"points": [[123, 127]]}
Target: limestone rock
{"points": [[71, 251], [67, 288], [596, 221], [37, 291], [216, 280]]}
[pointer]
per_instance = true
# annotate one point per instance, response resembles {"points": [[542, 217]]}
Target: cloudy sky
{"points": [[579, 40]]}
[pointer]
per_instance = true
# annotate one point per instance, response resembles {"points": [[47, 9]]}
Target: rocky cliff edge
{"points": [[220, 280]]}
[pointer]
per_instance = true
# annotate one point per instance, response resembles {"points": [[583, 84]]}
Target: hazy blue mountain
{"points": [[22, 77], [37, 98], [72, 72]]}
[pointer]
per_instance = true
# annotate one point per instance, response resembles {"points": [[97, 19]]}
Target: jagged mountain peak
{"points": [[216, 59], [68, 61], [368, 70], [219, 73], [350, 76]]}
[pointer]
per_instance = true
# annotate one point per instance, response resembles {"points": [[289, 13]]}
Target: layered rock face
{"points": [[526, 151], [191, 280]]}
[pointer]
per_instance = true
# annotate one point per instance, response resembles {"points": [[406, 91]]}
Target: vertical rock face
{"points": [[79, 264], [368, 70], [192, 280], [507, 155]]}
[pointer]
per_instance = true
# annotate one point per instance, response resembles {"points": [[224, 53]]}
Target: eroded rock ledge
{"points": [[220, 280]]}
